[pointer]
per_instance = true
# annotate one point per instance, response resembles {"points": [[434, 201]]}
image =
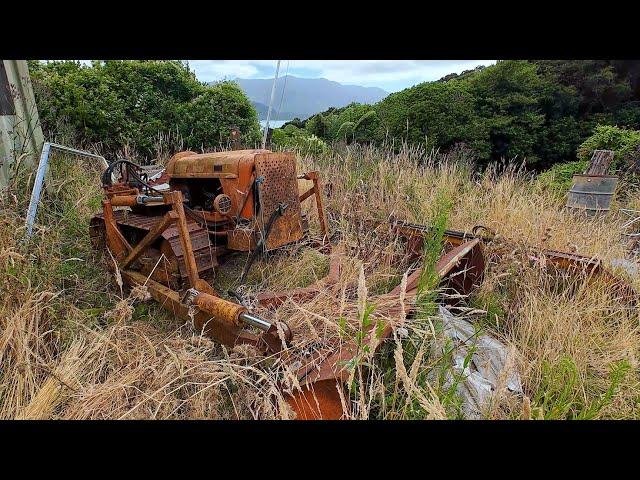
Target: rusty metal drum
{"points": [[592, 193]]}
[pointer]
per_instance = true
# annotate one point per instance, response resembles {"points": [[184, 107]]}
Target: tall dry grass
{"points": [[73, 346]]}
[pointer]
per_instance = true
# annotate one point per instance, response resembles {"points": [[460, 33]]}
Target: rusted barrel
{"points": [[592, 193]]}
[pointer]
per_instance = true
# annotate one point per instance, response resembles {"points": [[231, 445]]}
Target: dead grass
{"points": [[72, 347]]}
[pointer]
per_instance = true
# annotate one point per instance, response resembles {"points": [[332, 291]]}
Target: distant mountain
{"points": [[304, 97], [262, 109]]}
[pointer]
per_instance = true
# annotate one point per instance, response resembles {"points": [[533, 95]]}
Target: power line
{"points": [[283, 89], [273, 92]]}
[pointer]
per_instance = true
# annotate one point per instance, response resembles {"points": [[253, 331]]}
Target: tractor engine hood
{"points": [[227, 165]]}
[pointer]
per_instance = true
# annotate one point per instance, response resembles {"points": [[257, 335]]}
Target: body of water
{"points": [[273, 123]]}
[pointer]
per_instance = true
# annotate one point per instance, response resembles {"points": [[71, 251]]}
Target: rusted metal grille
{"points": [[279, 185], [593, 193]]}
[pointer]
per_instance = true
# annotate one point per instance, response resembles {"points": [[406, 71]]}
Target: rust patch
{"points": [[278, 185]]}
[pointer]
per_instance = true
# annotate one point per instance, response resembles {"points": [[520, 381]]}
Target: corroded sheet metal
{"points": [[600, 162], [592, 193], [204, 252], [241, 239], [278, 185], [210, 165], [319, 397]]}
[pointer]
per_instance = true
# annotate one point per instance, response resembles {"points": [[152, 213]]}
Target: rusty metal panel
{"points": [[241, 239], [210, 165], [279, 184], [592, 193], [600, 162]]}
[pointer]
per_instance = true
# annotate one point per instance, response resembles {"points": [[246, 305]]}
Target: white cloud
{"points": [[389, 74], [211, 70]]}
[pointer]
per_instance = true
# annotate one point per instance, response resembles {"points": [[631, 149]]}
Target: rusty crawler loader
{"points": [[169, 233], [169, 236]]}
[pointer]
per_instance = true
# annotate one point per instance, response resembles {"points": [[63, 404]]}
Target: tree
{"points": [[507, 97], [441, 114], [130, 103], [317, 125], [206, 120]]}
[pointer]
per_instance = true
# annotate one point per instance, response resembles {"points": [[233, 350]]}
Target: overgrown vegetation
{"points": [[72, 345], [134, 106], [75, 344], [536, 111]]}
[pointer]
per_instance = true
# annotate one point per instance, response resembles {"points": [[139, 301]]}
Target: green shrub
{"points": [[559, 178], [607, 137], [206, 120], [135, 103], [292, 137]]}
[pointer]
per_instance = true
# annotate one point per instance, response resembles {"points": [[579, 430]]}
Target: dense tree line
{"points": [[540, 111], [139, 104]]}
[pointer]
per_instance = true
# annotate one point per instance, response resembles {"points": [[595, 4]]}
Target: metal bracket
{"points": [[42, 169]]}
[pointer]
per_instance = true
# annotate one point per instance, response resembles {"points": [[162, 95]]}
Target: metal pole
{"points": [[42, 169], [273, 92], [37, 187]]}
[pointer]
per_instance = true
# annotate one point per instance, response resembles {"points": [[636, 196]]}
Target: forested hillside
{"points": [[538, 111]]}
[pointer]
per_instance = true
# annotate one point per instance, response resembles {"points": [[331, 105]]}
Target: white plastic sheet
{"points": [[488, 370]]}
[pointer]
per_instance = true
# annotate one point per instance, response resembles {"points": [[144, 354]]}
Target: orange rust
{"points": [[222, 332], [184, 235], [317, 186], [168, 219], [220, 309], [185, 239], [124, 200], [279, 186], [115, 241], [172, 162], [318, 401]]}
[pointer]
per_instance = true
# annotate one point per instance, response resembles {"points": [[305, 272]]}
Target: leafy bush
{"points": [[558, 178], [118, 103], [355, 122], [441, 114], [622, 141], [291, 137], [206, 120]]}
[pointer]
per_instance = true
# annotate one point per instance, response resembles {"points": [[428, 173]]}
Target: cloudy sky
{"points": [[391, 75]]}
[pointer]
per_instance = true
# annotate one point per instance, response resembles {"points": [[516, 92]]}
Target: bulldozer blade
{"points": [[322, 393]]}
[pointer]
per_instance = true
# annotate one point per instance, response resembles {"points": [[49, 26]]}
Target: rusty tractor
{"points": [[169, 236]]}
